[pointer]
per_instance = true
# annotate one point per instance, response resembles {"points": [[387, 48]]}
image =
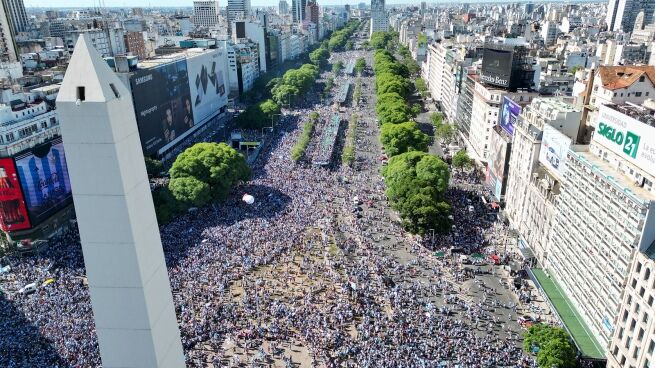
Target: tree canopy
{"points": [[336, 67], [462, 160], [416, 185], [380, 40], [319, 57], [360, 65], [294, 82], [218, 165], [258, 116], [404, 137], [190, 191], [153, 167], [554, 346]]}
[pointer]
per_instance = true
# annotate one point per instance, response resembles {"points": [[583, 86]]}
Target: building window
{"points": [[642, 78], [637, 94]]}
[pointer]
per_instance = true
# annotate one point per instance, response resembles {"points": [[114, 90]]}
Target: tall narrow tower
{"points": [[128, 281]]}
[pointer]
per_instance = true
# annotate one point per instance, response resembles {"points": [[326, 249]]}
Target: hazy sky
{"points": [[145, 3]]}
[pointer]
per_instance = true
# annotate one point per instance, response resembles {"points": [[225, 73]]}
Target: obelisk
{"points": [[128, 281]]}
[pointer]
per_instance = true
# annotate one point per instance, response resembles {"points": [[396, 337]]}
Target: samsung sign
{"points": [[627, 137]]}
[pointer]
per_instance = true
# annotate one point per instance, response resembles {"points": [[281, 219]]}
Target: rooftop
{"points": [[642, 113], [620, 181], [623, 76]]}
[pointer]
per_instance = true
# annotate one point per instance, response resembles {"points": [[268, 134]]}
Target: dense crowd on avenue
{"points": [[301, 277]]}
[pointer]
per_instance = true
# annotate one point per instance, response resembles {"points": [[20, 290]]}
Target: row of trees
{"points": [[298, 150], [203, 173], [294, 83], [340, 39], [348, 153], [259, 115], [416, 181], [360, 65]]}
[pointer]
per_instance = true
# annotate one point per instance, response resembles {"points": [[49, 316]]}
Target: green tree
{"points": [[421, 87], [462, 160], [349, 45], [379, 40], [285, 94], [436, 118], [336, 67], [422, 40], [416, 185], [269, 108], [554, 346], [216, 164], [166, 206], [153, 167], [416, 109], [360, 65], [404, 137], [319, 57], [446, 132], [190, 191], [575, 69]]}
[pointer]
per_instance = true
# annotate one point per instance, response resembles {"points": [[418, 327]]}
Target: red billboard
{"points": [[13, 212]]}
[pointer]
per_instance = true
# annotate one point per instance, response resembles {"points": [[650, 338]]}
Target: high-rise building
{"points": [[606, 212], [621, 14], [237, 9], [283, 7], [298, 10], [15, 10], [135, 44], [379, 19], [311, 12], [205, 13], [8, 50]]}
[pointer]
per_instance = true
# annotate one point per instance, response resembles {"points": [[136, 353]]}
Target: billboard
{"points": [[627, 137], [554, 146], [509, 112], [162, 101], [496, 67], [43, 175], [207, 84], [13, 212], [497, 162]]}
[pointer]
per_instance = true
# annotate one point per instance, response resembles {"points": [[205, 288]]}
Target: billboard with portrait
{"points": [[162, 101], [554, 146], [13, 212], [207, 84], [496, 67], [43, 175], [509, 112]]}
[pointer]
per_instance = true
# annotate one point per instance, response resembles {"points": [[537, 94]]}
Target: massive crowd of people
{"points": [[305, 276]]}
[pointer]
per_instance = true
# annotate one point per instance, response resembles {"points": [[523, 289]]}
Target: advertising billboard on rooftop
{"points": [[207, 84], [162, 101], [627, 137], [13, 212], [43, 175], [496, 67]]}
